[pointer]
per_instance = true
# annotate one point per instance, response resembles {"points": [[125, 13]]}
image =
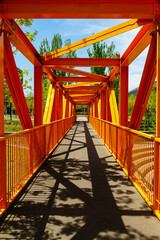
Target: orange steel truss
{"points": [[140, 154]]}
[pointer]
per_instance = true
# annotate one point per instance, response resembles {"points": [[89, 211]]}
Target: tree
{"points": [[30, 101], [56, 43], [26, 23], [149, 120], [45, 47], [131, 102], [102, 50]]}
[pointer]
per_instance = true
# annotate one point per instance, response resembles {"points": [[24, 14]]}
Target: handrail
{"points": [[129, 129], [31, 129]]}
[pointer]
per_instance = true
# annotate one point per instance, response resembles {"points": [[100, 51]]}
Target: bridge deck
{"points": [[80, 192]]}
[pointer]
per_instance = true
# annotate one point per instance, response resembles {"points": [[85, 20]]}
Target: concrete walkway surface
{"points": [[80, 193]]}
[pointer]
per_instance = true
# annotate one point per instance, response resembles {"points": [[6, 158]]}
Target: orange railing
{"points": [[138, 154], [23, 153]]}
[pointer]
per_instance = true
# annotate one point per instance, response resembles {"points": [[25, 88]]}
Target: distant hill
{"points": [[134, 91]]}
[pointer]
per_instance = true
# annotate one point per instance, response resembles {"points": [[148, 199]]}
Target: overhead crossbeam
{"points": [[76, 85], [86, 88], [79, 9], [78, 72], [108, 33], [84, 80], [84, 92], [81, 62], [83, 96]]}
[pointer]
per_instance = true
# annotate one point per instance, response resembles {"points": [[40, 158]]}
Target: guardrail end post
{"points": [[156, 176], [3, 175]]}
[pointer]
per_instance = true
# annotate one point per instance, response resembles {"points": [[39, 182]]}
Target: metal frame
{"points": [[101, 99]]}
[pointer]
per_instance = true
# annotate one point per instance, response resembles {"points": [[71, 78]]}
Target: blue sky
{"points": [[77, 29]]}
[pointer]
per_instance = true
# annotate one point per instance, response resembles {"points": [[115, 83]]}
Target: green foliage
{"points": [[82, 109], [27, 23], [102, 50], [5, 110], [22, 75], [149, 119], [131, 102], [30, 35], [44, 48], [30, 101], [24, 22], [56, 43]]}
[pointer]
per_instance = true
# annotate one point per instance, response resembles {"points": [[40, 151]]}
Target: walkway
{"points": [[80, 193]]}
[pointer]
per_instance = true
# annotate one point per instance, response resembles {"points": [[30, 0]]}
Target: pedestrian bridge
{"points": [[61, 178], [81, 192]]}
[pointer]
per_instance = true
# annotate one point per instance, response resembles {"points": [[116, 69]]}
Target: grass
{"points": [[12, 126]]}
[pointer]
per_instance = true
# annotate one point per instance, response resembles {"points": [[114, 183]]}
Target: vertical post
{"points": [[93, 109], [2, 143], [1, 84], [54, 114], [129, 154], [60, 104], [108, 111], [156, 174], [64, 105], [103, 104], [123, 96], [99, 107], [158, 86], [156, 144], [70, 109], [96, 107], [38, 96], [31, 152], [67, 108]]}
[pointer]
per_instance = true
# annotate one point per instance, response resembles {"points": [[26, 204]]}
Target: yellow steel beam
{"points": [[83, 88], [82, 98], [108, 33], [49, 105], [99, 108], [78, 85], [113, 105], [84, 92], [81, 94], [64, 106]]}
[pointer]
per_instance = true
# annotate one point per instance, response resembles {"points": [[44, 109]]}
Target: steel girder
{"points": [[80, 9]]}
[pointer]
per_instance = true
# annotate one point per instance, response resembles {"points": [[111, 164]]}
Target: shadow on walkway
{"points": [[80, 193]]}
